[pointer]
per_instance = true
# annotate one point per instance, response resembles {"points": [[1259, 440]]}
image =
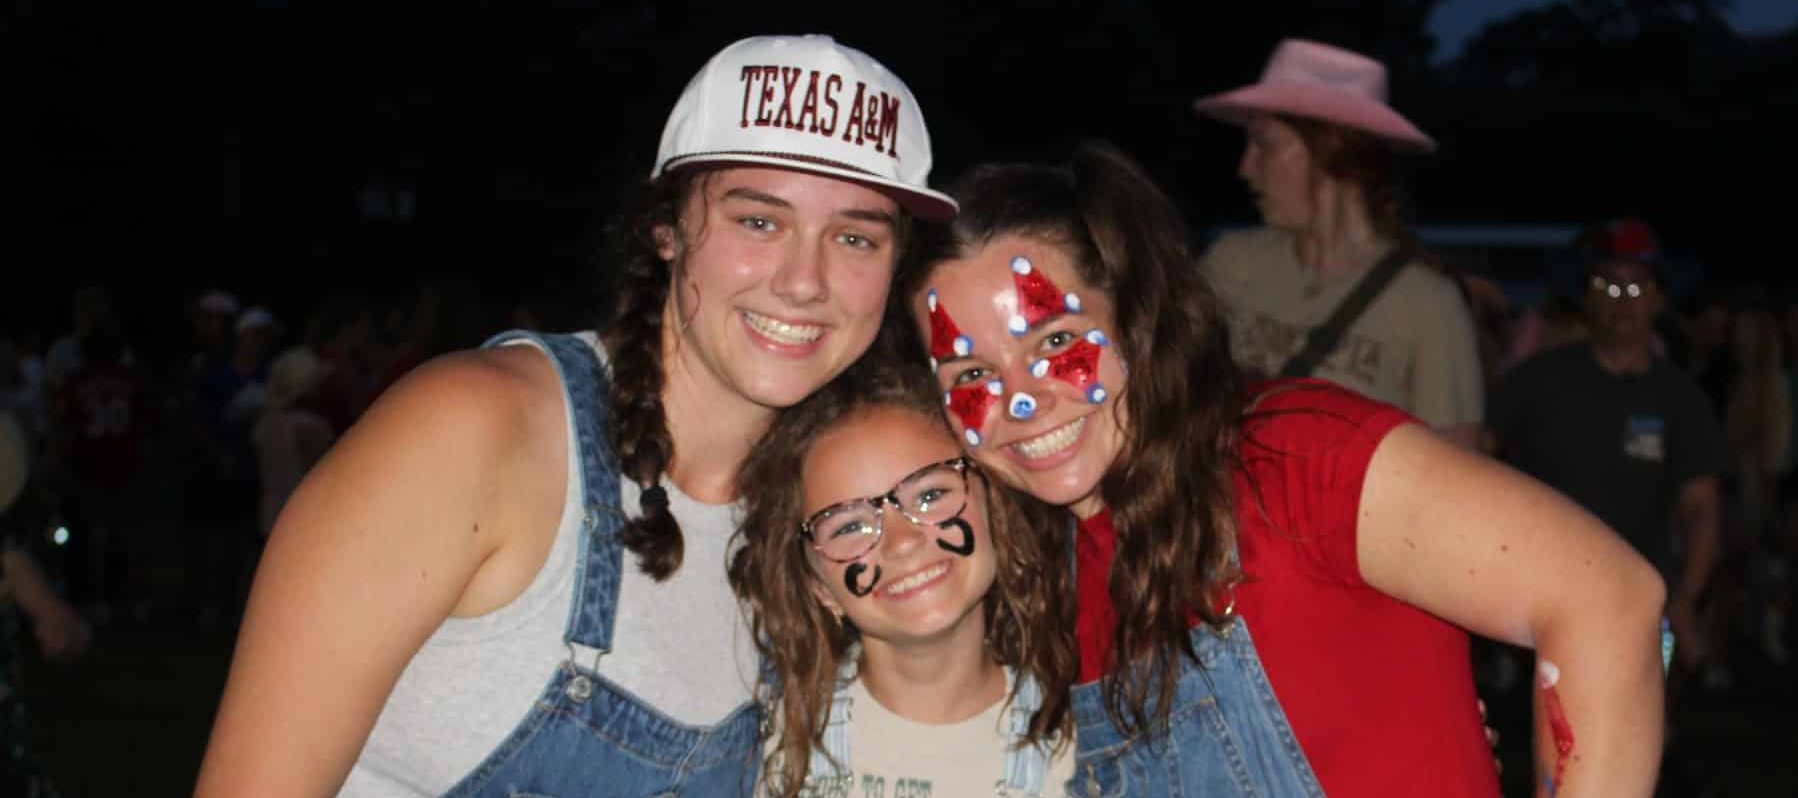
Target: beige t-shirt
{"points": [[1414, 346], [898, 758]]}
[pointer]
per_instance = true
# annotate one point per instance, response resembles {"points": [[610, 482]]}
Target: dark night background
{"points": [[166, 151], [292, 151]]}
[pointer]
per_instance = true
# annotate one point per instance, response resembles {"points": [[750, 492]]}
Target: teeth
{"points": [[782, 332], [1052, 441], [916, 579]]}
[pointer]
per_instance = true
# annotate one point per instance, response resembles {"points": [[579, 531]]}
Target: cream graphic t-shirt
{"points": [[899, 758]]}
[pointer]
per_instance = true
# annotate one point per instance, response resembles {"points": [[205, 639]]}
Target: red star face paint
{"points": [[1017, 281], [946, 340], [969, 405], [1038, 297], [1077, 365]]}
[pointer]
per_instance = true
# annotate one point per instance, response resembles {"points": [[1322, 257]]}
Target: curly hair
{"points": [[1027, 611], [1169, 489]]}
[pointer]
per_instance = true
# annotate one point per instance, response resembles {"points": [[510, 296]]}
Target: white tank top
{"points": [[474, 679]]}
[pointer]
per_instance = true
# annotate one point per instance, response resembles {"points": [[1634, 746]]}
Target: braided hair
{"points": [[639, 428]]}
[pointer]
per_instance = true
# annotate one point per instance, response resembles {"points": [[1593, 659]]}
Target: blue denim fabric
{"points": [[586, 736], [1225, 736]]}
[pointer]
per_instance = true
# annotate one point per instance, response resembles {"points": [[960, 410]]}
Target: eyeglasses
{"points": [[846, 531], [1617, 290]]}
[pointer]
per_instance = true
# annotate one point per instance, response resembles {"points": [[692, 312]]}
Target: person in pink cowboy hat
{"points": [[1319, 160]]}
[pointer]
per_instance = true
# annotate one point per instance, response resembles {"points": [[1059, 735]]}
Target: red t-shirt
{"points": [[103, 417], [1379, 692]]}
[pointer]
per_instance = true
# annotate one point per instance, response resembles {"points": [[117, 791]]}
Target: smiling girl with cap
{"points": [[1319, 160], [508, 577]]}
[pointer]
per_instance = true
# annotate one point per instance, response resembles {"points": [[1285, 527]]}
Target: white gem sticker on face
{"points": [[1017, 324]]}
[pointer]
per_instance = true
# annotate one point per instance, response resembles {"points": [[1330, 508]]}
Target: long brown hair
{"points": [[1169, 490], [638, 428], [1028, 610]]}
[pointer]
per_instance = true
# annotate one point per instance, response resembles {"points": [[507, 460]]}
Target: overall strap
{"points": [[1026, 766], [829, 771], [587, 390]]}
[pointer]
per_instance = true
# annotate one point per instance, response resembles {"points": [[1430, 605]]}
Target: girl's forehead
{"points": [[991, 277]]}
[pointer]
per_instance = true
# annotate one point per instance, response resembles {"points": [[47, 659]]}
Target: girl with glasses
{"points": [[912, 615]]}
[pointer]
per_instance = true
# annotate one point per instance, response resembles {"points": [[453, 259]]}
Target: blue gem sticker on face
{"points": [[1096, 394], [1020, 264], [973, 437], [1022, 406], [1096, 338]]}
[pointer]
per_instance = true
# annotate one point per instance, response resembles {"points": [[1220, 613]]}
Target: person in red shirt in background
{"points": [[1083, 360], [99, 426]]}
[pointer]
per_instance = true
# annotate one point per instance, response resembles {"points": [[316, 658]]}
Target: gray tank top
{"points": [[476, 678]]}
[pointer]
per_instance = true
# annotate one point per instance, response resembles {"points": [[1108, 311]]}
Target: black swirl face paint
{"points": [[966, 547], [852, 577]]}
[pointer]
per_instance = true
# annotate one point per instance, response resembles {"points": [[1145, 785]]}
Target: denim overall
{"points": [[1226, 734], [586, 736], [1026, 766]]}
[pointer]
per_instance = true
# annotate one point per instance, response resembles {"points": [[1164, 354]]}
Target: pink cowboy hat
{"points": [[1305, 78]]}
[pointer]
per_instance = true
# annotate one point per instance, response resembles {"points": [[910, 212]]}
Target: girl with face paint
{"points": [[913, 617], [1081, 358]]}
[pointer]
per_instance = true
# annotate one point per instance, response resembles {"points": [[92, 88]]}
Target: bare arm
{"points": [[1483, 546], [60, 630], [1696, 518], [312, 439], [1466, 436], [395, 529]]}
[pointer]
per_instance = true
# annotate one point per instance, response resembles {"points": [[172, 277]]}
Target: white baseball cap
{"points": [[809, 104]]}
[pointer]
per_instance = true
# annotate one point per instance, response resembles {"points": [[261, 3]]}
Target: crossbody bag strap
{"points": [[1323, 338]]}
